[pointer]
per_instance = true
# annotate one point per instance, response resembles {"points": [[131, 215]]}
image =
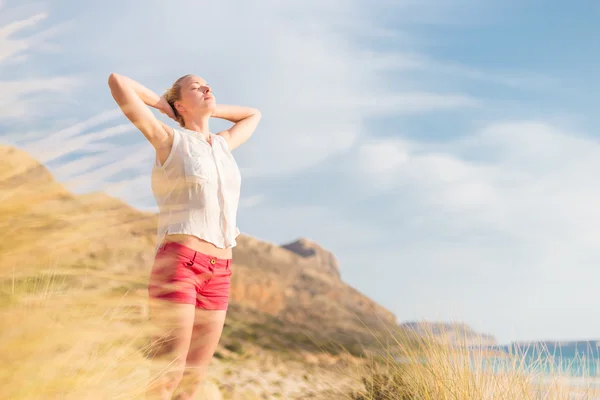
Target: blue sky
{"points": [[445, 151]]}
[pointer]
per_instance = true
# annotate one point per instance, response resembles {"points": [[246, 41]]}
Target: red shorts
{"points": [[183, 275]]}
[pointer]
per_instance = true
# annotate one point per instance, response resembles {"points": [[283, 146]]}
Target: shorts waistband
{"points": [[194, 255]]}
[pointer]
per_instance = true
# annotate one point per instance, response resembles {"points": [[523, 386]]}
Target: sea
{"points": [[575, 364], [575, 359]]}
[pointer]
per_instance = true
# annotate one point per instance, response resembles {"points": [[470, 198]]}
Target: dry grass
{"points": [[60, 343], [420, 368], [70, 329]]}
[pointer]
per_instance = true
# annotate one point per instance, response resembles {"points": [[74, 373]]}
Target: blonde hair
{"points": [[172, 95]]}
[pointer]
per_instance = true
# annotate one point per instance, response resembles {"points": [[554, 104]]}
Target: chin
{"points": [[206, 108]]}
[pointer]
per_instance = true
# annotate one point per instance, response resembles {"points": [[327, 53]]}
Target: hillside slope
{"points": [[298, 284]]}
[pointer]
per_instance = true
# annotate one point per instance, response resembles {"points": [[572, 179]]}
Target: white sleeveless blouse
{"points": [[197, 189]]}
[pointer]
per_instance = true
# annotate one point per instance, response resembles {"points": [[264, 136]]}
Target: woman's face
{"points": [[196, 97]]}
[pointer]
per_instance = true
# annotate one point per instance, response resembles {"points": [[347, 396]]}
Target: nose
{"points": [[206, 89]]}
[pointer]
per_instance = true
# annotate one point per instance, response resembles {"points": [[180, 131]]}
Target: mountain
{"points": [[455, 334], [304, 288], [323, 259]]}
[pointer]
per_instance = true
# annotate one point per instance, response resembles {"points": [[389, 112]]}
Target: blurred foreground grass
{"points": [[68, 331], [62, 342], [65, 342]]}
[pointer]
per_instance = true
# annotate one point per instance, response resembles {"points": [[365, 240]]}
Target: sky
{"points": [[445, 151]]}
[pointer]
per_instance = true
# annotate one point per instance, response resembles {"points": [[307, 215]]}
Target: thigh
{"points": [[206, 333], [172, 325]]}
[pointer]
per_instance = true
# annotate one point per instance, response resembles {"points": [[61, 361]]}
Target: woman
{"points": [[196, 184]]}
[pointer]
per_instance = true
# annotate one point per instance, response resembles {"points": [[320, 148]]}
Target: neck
{"points": [[199, 124]]}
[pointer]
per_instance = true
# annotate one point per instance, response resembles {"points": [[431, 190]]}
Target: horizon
{"points": [[442, 151]]}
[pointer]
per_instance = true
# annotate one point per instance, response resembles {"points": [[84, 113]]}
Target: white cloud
{"points": [[135, 157], [81, 141], [16, 100], [444, 69], [11, 47], [297, 65], [410, 103], [251, 201], [31, 97], [90, 172], [133, 191], [53, 139], [380, 161], [513, 200], [287, 222]]}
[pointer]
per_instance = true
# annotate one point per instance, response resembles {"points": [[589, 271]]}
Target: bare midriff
{"points": [[199, 245]]}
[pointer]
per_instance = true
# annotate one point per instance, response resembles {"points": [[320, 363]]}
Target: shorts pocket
{"points": [[201, 274], [167, 266]]}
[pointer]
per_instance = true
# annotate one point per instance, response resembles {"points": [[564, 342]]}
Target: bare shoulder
{"points": [[245, 120], [226, 139]]}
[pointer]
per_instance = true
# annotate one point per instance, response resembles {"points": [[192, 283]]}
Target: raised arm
{"points": [[134, 99], [245, 121]]}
